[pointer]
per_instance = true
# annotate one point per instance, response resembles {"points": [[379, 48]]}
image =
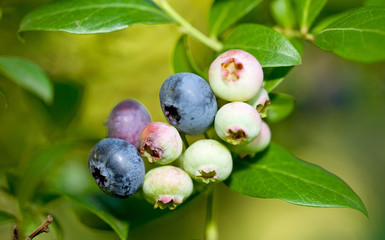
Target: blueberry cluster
{"points": [[189, 103]]}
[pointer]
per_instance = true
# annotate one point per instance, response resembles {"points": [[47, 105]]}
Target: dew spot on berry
{"points": [[172, 113], [99, 178]]}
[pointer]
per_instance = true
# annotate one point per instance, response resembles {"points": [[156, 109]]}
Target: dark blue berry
{"points": [[188, 103], [116, 167]]}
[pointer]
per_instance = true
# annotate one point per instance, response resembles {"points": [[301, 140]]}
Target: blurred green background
{"points": [[338, 124]]}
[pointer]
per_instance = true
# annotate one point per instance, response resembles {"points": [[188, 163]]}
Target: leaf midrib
{"points": [[305, 14], [103, 6], [354, 29], [264, 167]]}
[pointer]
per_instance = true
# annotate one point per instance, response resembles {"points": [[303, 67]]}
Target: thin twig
{"points": [[42, 228], [15, 233]]}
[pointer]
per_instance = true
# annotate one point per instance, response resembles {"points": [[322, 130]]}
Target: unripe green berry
{"points": [[167, 186], [261, 102], [235, 75], [208, 161], [257, 145], [237, 123]]}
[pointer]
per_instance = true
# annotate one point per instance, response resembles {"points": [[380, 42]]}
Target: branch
{"points": [[42, 228]]}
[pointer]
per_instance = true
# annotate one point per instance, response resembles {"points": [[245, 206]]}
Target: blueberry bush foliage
{"points": [[356, 35]]}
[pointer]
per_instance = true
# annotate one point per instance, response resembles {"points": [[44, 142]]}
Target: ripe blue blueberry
{"points": [[188, 103], [167, 186], [160, 142], [126, 121], [117, 167], [208, 161], [235, 75], [237, 123]]}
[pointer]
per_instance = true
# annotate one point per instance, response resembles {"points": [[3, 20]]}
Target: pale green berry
{"points": [[261, 102], [235, 75], [259, 144], [208, 161], [167, 187], [237, 123]]}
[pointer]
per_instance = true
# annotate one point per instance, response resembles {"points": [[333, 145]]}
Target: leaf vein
{"points": [[100, 6], [355, 29], [305, 181]]}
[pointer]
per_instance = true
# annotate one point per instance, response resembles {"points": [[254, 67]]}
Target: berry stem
{"points": [[213, 43], [184, 139], [211, 231], [291, 33], [206, 135]]}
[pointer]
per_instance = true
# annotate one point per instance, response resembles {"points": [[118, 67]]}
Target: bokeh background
{"points": [[338, 124]]}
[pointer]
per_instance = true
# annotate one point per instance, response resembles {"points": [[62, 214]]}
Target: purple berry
{"points": [[237, 122], [235, 75], [208, 161], [116, 167], [188, 103], [160, 142], [167, 186], [127, 120]]}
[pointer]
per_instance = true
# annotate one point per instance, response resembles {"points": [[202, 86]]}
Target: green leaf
{"points": [[358, 36], [181, 61], [273, 76], [324, 23], [5, 217], [92, 16], [9, 207], [4, 97], [135, 210], [271, 73], [283, 13], [297, 44], [270, 85], [225, 13], [276, 173], [281, 107], [38, 167], [94, 206], [307, 11], [28, 75], [268, 46], [66, 103], [374, 3]]}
